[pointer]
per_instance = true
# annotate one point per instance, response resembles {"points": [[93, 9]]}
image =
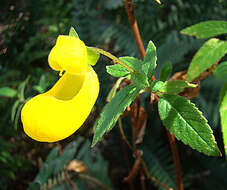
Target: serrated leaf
{"points": [[223, 113], [210, 53], [175, 86], [52, 155], [7, 92], [93, 56], [166, 71], [113, 110], [117, 70], [139, 77], [156, 85], [206, 29], [72, 32], [54, 163], [149, 63], [186, 122], [113, 91], [221, 71]]}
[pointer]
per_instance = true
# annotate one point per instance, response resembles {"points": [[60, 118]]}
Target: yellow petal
{"points": [[69, 54], [58, 113]]}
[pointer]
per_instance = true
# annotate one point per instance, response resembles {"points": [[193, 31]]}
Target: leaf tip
{"points": [[72, 32]]}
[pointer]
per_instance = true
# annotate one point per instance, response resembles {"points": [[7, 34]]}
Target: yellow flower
{"points": [[59, 112]]}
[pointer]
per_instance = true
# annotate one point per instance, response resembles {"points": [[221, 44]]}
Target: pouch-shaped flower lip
{"points": [[58, 113], [69, 54]]}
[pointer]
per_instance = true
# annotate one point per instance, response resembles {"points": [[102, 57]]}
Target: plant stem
{"points": [[134, 26], [176, 160], [123, 134], [153, 179], [142, 162], [115, 59]]}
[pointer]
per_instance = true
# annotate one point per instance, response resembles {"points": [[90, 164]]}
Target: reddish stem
{"points": [[135, 30], [176, 160]]}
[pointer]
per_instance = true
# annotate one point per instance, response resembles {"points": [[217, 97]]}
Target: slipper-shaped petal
{"points": [[58, 113], [69, 54]]}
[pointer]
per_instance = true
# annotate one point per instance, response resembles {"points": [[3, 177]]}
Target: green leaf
{"points": [[149, 63], [72, 32], [210, 53], [221, 71], [186, 122], [113, 110], [14, 109], [117, 70], [206, 29], [166, 71], [222, 93], [175, 86], [7, 92], [93, 56], [223, 113], [132, 62], [113, 91], [139, 77], [21, 88], [156, 85], [17, 116]]}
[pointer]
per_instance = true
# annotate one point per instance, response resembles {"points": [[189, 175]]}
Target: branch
{"points": [[176, 160], [135, 30], [153, 179]]}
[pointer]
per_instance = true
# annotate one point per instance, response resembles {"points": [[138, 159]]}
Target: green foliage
{"points": [[186, 122], [210, 53], [223, 113], [206, 29], [170, 87], [166, 71], [149, 63], [7, 92], [113, 91], [117, 70], [139, 77], [112, 111], [159, 162], [156, 85], [52, 174], [72, 32], [93, 56], [221, 71], [175, 86]]}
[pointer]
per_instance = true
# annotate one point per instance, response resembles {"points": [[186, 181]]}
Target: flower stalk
{"points": [[115, 59]]}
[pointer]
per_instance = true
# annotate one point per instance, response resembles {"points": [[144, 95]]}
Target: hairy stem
{"points": [[176, 160], [123, 134], [115, 59], [134, 26]]}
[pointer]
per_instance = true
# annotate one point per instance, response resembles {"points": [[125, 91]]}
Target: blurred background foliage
{"points": [[29, 30]]}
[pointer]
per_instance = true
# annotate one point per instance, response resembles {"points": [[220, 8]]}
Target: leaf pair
{"points": [[209, 54], [212, 51], [178, 114], [143, 71]]}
